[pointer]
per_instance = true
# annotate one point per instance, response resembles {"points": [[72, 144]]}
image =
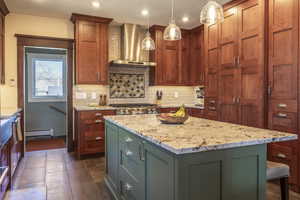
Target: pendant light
{"points": [[211, 13], [172, 32], [148, 43]]}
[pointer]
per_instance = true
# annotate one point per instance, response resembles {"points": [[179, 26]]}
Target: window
{"points": [[46, 77]]}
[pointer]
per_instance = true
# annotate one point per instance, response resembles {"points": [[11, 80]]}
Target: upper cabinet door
{"points": [[250, 63], [197, 55], [212, 60], [91, 36], [171, 62], [228, 67]]}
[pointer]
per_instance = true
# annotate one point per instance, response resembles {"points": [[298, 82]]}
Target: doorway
{"points": [[45, 91], [45, 102]]}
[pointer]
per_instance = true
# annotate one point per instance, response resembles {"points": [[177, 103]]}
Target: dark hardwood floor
{"points": [[57, 175], [45, 144]]}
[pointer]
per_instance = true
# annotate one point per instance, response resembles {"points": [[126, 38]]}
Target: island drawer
{"points": [[130, 145], [130, 187]]}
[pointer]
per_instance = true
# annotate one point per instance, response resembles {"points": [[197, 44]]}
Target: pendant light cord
{"points": [[172, 17]]}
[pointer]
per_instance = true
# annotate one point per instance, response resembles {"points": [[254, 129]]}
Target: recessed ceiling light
{"points": [[96, 4], [145, 12], [185, 19]]}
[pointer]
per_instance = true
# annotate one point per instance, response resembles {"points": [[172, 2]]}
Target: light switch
{"points": [[93, 95], [81, 95], [176, 95]]}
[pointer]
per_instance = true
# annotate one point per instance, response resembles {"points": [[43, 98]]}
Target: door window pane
{"points": [[48, 78]]}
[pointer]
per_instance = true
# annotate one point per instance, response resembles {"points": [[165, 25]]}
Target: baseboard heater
{"points": [[40, 133]]}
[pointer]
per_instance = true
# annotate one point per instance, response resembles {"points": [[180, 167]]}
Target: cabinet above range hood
{"points": [[131, 51]]}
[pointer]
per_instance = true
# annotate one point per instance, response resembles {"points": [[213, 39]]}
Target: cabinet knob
{"points": [[128, 187], [282, 105], [98, 114], [99, 138], [281, 155], [128, 153], [98, 121], [282, 115], [128, 140]]}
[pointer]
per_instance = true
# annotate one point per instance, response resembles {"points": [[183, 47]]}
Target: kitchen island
{"points": [[202, 159]]}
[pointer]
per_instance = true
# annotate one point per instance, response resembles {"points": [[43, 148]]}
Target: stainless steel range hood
{"points": [[131, 51]]}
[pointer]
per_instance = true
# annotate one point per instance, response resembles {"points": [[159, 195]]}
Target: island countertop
{"points": [[197, 134]]}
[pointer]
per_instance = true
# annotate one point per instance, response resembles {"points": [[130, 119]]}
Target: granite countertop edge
{"points": [[10, 113], [206, 148]]}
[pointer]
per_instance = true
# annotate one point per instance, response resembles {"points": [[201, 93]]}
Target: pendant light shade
{"points": [[211, 13], [148, 43], [172, 32]]}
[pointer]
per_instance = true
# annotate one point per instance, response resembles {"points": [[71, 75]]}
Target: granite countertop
{"points": [[197, 134], [8, 112]]}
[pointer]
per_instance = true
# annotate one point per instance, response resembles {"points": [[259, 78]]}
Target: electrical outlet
{"points": [[93, 95], [176, 95]]}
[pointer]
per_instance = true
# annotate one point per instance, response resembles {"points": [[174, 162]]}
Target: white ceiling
{"points": [[121, 10]]}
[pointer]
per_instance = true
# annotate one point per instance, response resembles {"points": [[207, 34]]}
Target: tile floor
{"points": [[56, 175]]}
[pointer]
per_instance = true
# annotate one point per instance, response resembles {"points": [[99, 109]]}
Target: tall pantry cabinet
{"points": [[235, 65], [252, 72], [283, 84]]}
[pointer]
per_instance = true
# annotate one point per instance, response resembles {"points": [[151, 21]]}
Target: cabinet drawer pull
{"points": [[282, 105], [212, 101], [98, 121], [141, 151], [281, 155], [282, 115], [211, 108], [128, 140], [99, 138], [128, 187], [128, 153], [98, 114]]}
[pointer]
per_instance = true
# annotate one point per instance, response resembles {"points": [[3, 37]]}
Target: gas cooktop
{"points": [[133, 109]]}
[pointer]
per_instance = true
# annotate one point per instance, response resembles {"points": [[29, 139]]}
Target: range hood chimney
{"points": [[131, 51]]}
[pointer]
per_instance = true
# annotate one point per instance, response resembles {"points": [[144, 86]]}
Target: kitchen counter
{"points": [[196, 135], [9, 112]]}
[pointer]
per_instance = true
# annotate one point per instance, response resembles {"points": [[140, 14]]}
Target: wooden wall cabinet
{"points": [[235, 65], [3, 12], [90, 132], [91, 47], [283, 84], [177, 62], [196, 65]]}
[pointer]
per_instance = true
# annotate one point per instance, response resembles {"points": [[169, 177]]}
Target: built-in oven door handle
{"points": [[3, 175]]}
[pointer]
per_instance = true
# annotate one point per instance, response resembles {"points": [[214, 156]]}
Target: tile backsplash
{"points": [[123, 85]]}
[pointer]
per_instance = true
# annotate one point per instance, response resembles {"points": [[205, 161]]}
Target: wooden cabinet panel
{"points": [[197, 56], [251, 63], [91, 37], [186, 58], [170, 62], [228, 107], [90, 132], [283, 65]]}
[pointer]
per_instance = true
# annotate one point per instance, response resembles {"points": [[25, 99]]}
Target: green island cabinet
{"points": [[137, 169]]}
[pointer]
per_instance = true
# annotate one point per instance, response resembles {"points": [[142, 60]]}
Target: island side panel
{"points": [[112, 158], [232, 174]]}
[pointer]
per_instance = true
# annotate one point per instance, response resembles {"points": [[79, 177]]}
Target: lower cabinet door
{"points": [[159, 174], [131, 188]]}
